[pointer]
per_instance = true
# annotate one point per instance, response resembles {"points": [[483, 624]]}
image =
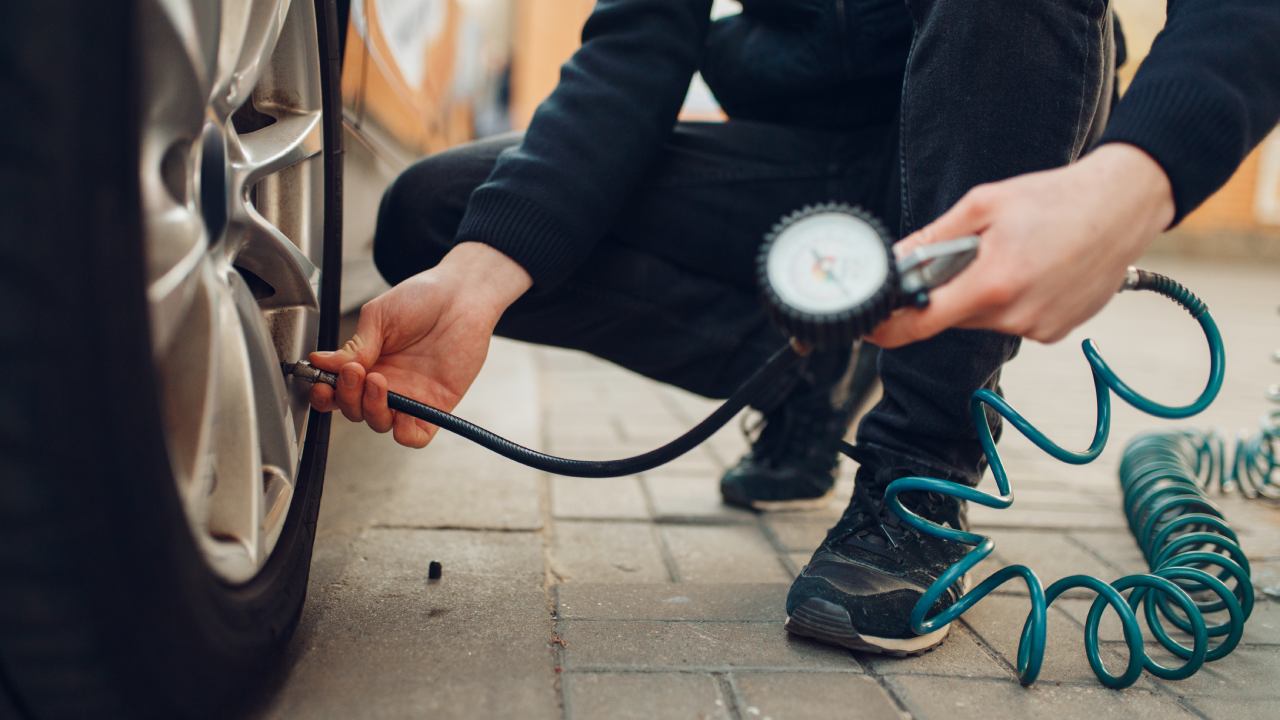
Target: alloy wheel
{"points": [[232, 180]]}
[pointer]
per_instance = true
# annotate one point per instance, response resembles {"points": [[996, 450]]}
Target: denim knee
{"points": [[416, 221]]}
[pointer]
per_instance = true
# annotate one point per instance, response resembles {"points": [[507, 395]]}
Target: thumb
{"points": [[364, 347], [969, 216]]}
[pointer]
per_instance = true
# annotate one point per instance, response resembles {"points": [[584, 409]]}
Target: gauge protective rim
{"points": [[838, 326]]}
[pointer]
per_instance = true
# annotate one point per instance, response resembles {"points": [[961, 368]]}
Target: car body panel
{"points": [[418, 76]]}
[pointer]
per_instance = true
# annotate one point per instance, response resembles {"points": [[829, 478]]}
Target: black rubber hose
{"points": [[779, 363]]}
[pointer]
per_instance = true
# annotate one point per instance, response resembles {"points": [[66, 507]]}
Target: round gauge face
{"points": [[827, 263]]}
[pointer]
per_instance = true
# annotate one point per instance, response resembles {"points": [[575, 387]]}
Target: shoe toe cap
{"points": [[878, 603]]}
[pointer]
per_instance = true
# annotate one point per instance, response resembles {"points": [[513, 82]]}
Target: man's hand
{"points": [[426, 338], [1055, 247]]}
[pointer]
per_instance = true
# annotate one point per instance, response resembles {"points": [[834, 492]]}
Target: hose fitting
{"points": [[312, 374]]}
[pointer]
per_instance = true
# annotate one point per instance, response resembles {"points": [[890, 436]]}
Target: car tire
{"points": [[108, 606]]}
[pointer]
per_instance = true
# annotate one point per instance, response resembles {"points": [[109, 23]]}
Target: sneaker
{"points": [[859, 588], [794, 457]]}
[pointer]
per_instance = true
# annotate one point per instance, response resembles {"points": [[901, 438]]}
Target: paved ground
{"points": [[644, 597]]}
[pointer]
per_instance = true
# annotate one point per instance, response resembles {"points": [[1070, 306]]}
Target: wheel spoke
{"points": [[279, 448], [234, 520], [175, 257], [179, 40], [250, 29], [280, 145], [265, 251], [188, 371], [273, 404]]}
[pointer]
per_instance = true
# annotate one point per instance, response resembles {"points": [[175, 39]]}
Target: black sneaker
{"points": [[793, 460], [862, 582]]}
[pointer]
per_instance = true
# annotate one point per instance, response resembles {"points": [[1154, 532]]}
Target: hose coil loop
{"points": [[1252, 468], [1196, 566]]}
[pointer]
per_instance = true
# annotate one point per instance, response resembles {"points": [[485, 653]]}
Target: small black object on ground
{"points": [[434, 570]]}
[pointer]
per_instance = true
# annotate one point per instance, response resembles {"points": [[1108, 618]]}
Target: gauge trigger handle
{"points": [[929, 267]]}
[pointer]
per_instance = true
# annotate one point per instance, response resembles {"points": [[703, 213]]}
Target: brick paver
{"points": [[672, 602], [815, 696], [646, 645], [607, 552], [642, 696], [728, 553], [646, 597], [679, 498], [598, 498], [948, 698]]}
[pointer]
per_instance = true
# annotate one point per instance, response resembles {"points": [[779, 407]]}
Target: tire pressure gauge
{"points": [[829, 274]]}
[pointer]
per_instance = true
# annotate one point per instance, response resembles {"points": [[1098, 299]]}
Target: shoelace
{"points": [[871, 527], [877, 529]]}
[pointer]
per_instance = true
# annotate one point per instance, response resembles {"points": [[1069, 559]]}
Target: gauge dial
{"points": [[828, 274]]}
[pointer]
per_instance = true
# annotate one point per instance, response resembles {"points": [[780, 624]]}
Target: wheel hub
{"points": [[213, 181]]}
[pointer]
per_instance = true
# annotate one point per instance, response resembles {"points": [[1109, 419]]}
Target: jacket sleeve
{"points": [[549, 199], [1208, 92]]}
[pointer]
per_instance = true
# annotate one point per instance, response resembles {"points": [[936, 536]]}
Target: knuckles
{"points": [[981, 200], [1049, 336]]}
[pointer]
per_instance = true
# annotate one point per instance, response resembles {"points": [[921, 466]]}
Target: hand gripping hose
{"points": [[1180, 532], [768, 374]]}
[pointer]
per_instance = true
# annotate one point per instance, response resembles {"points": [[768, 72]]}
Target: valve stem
{"points": [[312, 374]]}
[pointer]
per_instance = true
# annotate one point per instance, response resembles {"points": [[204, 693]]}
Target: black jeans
{"points": [[991, 89]]}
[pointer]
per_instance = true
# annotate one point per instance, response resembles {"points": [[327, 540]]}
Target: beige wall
{"points": [[547, 33], [1240, 220]]}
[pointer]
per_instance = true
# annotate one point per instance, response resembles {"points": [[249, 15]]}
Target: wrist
{"points": [[489, 277], [1136, 182]]}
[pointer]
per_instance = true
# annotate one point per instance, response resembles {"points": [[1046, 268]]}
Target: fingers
{"points": [[412, 432], [970, 216], [374, 403], [971, 293], [954, 304], [364, 347], [350, 391], [360, 353], [322, 397], [903, 328], [363, 397]]}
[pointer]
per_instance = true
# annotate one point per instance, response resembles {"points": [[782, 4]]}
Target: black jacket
{"points": [[1207, 93]]}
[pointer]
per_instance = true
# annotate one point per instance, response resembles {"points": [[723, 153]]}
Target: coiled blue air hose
{"points": [[1191, 550]]}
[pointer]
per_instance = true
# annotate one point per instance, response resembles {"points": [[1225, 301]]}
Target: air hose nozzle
{"points": [[306, 371]]}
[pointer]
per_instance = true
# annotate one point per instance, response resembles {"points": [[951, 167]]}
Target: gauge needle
{"points": [[822, 265]]}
